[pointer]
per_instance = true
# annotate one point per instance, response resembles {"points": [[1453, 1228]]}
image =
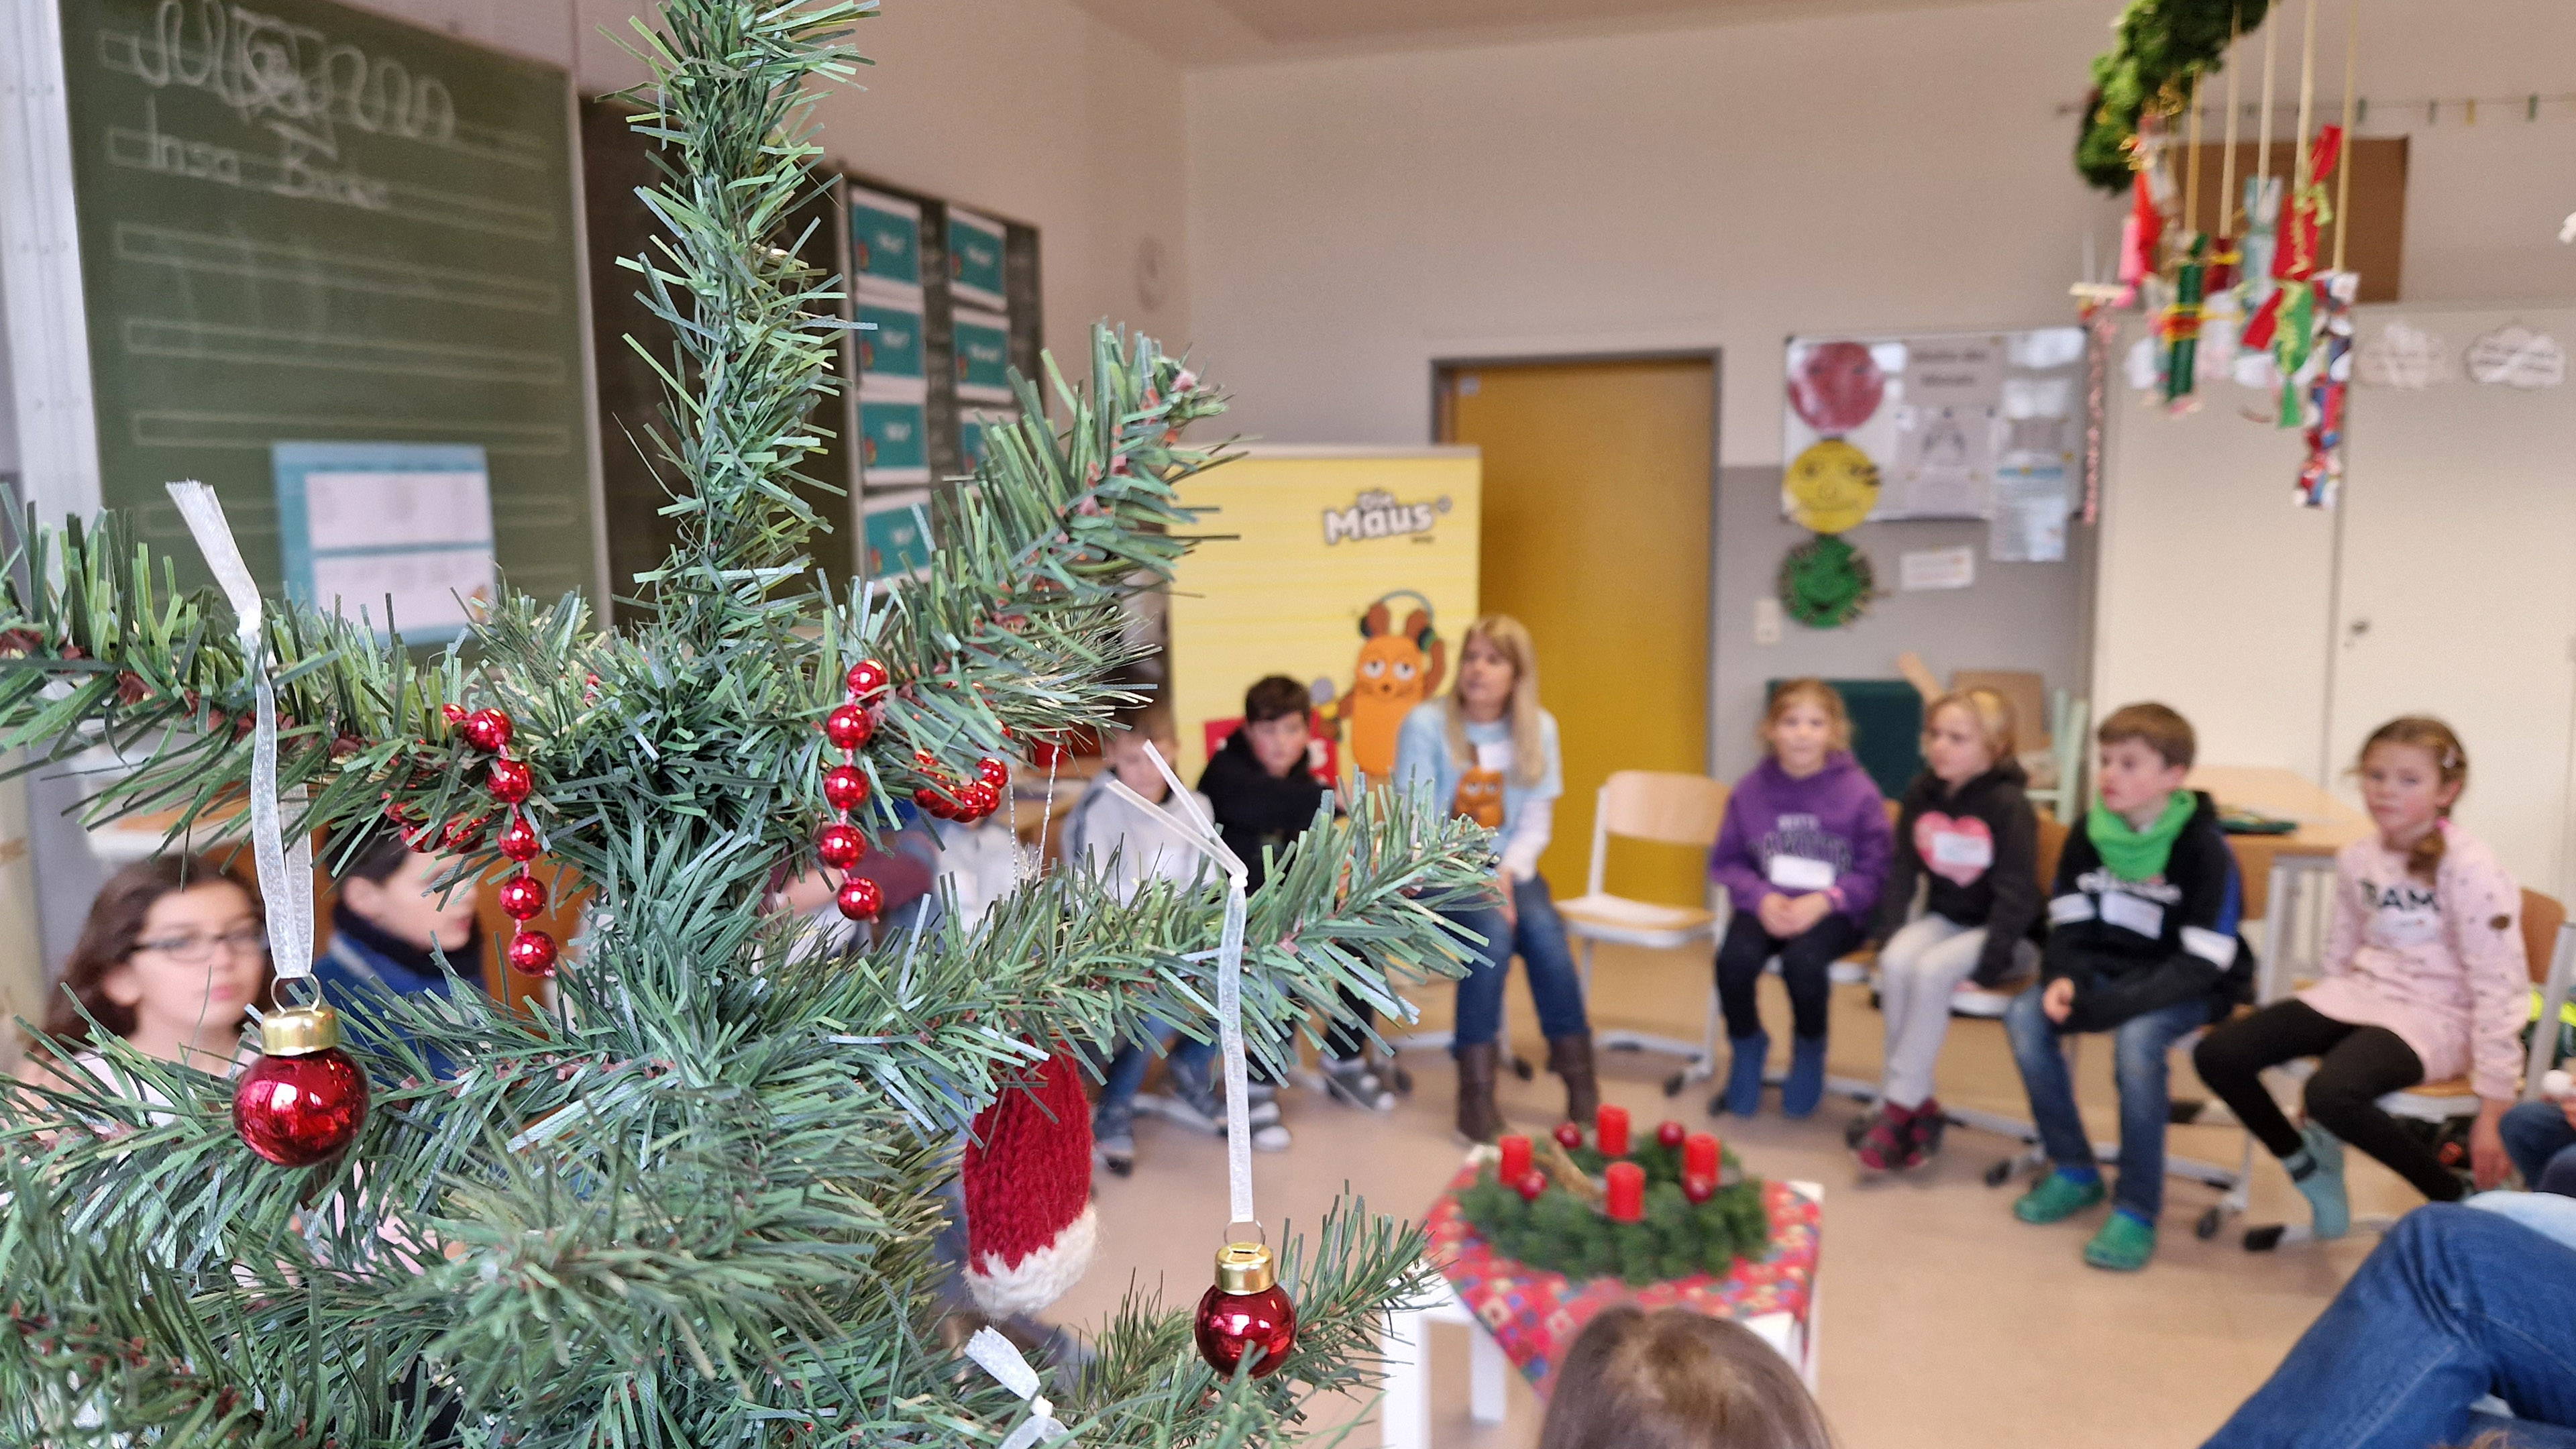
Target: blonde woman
{"points": [[1488, 751]]}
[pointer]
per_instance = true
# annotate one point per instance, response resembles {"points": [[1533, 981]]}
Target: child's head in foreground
{"points": [[1123, 750], [1675, 1379], [2145, 752]]}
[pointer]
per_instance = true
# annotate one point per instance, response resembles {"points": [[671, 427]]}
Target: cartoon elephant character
{"points": [[1397, 669]]}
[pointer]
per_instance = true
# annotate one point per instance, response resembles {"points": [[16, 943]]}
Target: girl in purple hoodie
{"points": [[1802, 855]]}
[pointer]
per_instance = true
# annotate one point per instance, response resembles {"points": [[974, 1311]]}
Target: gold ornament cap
{"points": [[1244, 1268], [299, 1031]]}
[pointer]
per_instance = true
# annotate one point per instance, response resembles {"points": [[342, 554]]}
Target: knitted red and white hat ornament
{"points": [[1030, 1229]]}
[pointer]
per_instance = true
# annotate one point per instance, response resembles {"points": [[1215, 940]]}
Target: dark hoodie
{"points": [[1979, 844], [1255, 808], [2132, 947]]}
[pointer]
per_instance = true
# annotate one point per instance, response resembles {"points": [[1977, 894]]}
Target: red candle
{"points": [[1516, 1160], [1610, 1130], [1699, 1156], [1627, 1183]]}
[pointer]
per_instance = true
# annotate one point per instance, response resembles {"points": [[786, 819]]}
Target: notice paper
{"points": [[367, 528], [2032, 502], [1936, 568]]}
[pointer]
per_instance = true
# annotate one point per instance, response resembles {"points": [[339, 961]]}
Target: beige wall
{"points": [[1352, 218], [1030, 109]]}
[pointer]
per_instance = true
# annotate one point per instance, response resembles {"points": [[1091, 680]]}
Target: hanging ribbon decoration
{"points": [[2329, 393], [285, 873], [1003, 1361], [2181, 323]]}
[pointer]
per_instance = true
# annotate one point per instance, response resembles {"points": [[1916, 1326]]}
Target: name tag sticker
{"points": [[2131, 913], [1801, 873], [1958, 848]]}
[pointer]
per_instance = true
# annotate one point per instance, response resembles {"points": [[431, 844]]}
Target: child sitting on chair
{"points": [[1802, 854], [1968, 829], [2142, 944], [2424, 981]]}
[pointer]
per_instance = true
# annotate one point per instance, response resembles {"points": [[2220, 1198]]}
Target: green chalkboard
{"points": [[300, 223]]}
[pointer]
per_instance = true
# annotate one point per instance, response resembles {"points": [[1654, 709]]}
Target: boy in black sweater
{"points": [[1261, 785], [2142, 944]]}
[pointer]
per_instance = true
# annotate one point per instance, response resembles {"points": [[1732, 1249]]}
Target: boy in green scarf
{"points": [[2142, 944]]}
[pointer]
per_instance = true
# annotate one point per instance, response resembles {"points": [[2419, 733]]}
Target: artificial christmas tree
{"points": [[692, 1202]]}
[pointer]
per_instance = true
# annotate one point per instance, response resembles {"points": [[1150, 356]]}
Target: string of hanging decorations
{"points": [[2245, 291]]}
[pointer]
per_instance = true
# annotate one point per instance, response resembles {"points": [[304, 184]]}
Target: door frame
{"points": [[1444, 368]]}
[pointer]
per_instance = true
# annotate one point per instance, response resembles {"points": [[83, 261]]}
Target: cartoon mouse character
{"points": [[1397, 669], [1480, 797]]}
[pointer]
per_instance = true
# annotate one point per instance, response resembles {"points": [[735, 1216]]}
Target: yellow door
{"points": [[1598, 479]]}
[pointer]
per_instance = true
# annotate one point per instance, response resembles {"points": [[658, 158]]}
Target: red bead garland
{"points": [[845, 787], [532, 953], [849, 727], [993, 772], [523, 896], [868, 677], [840, 845], [488, 730], [510, 781], [860, 899], [519, 839]]}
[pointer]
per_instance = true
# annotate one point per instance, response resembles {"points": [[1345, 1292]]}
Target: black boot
{"points": [[1479, 1120], [1570, 1057]]}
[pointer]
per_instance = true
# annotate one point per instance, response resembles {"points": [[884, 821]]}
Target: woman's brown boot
{"points": [[1570, 1057], [1479, 1120]]}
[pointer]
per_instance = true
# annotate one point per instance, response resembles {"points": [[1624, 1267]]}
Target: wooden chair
{"points": [[2549, 953], [1668, 809]]}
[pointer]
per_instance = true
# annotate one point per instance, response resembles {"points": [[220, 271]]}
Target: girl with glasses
{"points": [[174, 953]]}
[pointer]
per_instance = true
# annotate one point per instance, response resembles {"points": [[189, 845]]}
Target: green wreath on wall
{"points": [[1826, 583], [2157, 47]]}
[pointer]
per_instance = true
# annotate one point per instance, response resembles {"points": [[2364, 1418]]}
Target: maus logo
{"points": [[1377, 514]]}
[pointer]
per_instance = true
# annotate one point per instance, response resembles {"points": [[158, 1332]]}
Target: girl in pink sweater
{"points": [[2424, 981]]}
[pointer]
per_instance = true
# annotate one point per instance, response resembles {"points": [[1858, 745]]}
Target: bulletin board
{"points": [[1305, 547], [1973, 425]]}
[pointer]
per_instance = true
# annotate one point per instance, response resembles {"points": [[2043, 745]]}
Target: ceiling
{"points": [[1232, 32]]}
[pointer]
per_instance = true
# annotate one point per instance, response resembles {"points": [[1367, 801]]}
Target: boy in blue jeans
{"points": [[2142, 944]]}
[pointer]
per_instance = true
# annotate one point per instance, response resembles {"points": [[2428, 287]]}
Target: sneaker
{"points": [[1261, 1113], [1354, 1084], [1191, 1100], [1113, 1138], [1924, 1143], [1270, 1137], [2124, 1245], [2057, 1198], [2316, 1170], [1885, 1139]]}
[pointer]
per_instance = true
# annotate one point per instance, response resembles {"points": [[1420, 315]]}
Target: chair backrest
{"points": [[1666, 807], [2052, 844], [2541, 917]]}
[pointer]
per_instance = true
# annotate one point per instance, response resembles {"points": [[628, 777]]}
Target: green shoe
{"points": [[2124, 1245], [2057, 1198]]}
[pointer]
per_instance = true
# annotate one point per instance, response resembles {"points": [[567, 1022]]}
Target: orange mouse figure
{"points": [[1480, 797], [1398, 669]]}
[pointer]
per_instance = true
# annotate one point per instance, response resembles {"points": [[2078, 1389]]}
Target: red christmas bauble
{"points": [[926, 762], [867, 677], [1699, 1187], [993, 772], [454, 714], [860, 900], [849, 726], [1247, 1315], [462, 835], [519, 838], [488, 730], [1671, 1133], [532, 953], [934, 803], [304, 1099], [523, 897], [840, 845], [1568, 1136], [510, 781], [846, 786], [1532, 1186], [975, 800]]}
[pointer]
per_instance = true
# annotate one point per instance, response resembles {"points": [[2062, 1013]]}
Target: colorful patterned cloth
{"points": [[1535, 1314]]}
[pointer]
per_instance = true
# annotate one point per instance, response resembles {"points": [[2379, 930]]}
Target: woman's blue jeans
{"points": [[2141, 1051], [2453, 1305], [1540, 939]]}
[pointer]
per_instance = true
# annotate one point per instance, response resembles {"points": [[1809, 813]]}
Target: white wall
{"points": [[1352, 218], [1030, 109]]}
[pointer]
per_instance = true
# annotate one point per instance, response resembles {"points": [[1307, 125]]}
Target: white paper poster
{"points": [[369, 527], [1940, 416], [1936, 568], [2032, 503]]}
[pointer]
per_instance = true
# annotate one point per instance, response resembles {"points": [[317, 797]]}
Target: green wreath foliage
{"points": [[1676, 1237], [2156, 48]]}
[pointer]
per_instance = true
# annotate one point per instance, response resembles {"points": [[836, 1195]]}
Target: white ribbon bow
{"points": [[285, 876], [1004, 1363], [1229, 982]]}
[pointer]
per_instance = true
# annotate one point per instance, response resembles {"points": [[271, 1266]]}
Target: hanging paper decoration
{"points": [[2321, 472], [2516, 356], [2181, 326], [1826, 583], [1832, 487], [1836, 386]]}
